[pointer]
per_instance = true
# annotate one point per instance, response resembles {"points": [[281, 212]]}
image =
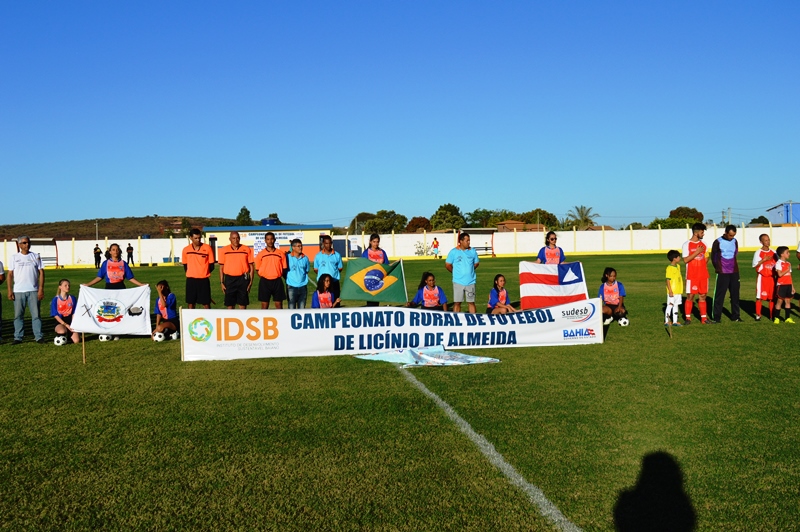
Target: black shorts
{"points": [[236, 291], [176, 322], [116, 286], [271, 289], [784, 291], [616, 309], [198, 291]]}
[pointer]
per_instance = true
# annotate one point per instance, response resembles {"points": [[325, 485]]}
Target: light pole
{"points": [[96, 232]]}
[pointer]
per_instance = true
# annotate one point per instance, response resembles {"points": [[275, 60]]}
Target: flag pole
{"points": [[83, 347]]}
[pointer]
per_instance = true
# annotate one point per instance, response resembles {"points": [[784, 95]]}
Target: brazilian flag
{"points": [[369, 281]]}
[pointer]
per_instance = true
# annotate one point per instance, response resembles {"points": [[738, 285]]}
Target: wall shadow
{"points": [[658, 501]]}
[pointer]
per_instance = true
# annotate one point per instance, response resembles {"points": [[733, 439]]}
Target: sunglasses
{"points": [[24, 243]]}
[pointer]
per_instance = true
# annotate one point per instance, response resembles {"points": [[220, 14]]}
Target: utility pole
{"points": [[96, 231]]}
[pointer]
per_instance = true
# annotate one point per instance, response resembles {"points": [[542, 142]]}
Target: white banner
{"points": [[113, 311], [234, 334]]}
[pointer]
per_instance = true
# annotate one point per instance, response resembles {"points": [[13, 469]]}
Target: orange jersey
{"points": [[270, 264], [115, 271], [197, 261], [235, 262], [696, 269]]}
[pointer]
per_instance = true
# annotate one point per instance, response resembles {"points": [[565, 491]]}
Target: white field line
{"points": [[536, 496]]}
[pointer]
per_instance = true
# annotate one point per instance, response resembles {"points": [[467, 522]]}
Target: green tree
{"points": [[634, 225], [243, 218], [672, 223], [448, 216], [275, 215], [446, 220], [582, 216], [479, 218], [418, 223], [540, 216], [186, 226], [357, 224], [386, 222], [686, 212], [760, 220]]}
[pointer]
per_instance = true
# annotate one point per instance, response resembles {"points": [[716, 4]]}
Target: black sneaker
{"points": [[16, 342], [711, 322], [40, 341], [738, 320]]}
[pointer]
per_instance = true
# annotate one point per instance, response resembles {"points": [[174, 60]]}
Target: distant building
{"points": [[785, 213]]}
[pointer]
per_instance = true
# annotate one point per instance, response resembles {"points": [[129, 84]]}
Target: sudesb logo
{"points": [[579, 315]]}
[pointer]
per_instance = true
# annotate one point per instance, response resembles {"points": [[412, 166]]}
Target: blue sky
{"points": [[320, 110]]}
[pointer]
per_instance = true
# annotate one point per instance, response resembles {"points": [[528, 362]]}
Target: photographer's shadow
{"points": [[658, 501]]}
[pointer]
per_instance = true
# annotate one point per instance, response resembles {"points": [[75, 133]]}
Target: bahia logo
{"points": [[200, 330], [579, 315], [578, 333]]}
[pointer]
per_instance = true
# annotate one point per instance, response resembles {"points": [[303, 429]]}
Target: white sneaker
{"points": [[608, 320], [174, 336]]}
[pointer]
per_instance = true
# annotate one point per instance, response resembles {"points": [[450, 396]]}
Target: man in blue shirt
{"points": [[462, 261], [723, 256], [329, 261]]}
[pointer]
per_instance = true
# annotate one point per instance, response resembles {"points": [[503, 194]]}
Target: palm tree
{"points": [[582, 216]]}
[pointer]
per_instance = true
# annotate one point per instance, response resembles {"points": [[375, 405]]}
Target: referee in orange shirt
{"points": [[270, 265], [198, 263], [236, 272]]}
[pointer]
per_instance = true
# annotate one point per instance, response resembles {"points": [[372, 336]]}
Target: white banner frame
{"points": [[219, 334]]}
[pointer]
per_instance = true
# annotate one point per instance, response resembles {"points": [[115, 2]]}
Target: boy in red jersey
{"points": [[694, 255], [764, 263], [785, 287]]}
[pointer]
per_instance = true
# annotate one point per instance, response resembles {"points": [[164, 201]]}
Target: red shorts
{"points": [[697, 287], [765, 288]]}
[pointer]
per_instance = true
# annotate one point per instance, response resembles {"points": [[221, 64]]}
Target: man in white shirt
{"points": [[26, 288]]}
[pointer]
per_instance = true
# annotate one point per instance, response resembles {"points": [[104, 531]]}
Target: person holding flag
{"points": [[114, 271], [375, 254]]}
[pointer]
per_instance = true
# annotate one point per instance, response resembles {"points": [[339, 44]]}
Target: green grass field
{"points": [[136, 439]]}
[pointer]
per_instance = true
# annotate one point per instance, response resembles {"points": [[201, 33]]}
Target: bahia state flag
{"points": [[369, 281], [547, 285]]}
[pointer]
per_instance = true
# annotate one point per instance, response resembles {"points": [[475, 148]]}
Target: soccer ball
{"points": [[174, 336], [105, 337], [623, 322], [158, 337], [60, 340]]}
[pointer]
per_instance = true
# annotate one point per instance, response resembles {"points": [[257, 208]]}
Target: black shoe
{"points": [[16, 342], [738, 320], [40, 341], [711, 322]]}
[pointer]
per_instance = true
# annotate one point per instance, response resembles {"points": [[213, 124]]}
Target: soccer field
{"points": [[138, 439]]}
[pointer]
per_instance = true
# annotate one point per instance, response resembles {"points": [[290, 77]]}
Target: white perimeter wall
{"points": [[80, 252]]}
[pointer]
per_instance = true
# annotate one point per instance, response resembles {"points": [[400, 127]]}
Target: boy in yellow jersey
{"points": [[674, 288]]}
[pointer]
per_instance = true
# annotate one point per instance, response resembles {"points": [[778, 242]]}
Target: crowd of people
{"points": [[284, 277]]}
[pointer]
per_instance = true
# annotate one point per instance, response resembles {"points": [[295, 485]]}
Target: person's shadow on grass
{"points": [[658, 501]]}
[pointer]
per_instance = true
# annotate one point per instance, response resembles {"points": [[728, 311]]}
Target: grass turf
{"points": [[137, 439]]}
